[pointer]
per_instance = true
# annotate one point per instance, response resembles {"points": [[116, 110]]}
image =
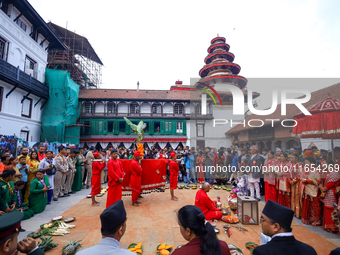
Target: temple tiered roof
{"points": [[219, 66]]}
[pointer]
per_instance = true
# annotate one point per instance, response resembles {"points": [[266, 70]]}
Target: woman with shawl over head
{"points": [[330, 180], [296, 171], [310, 180]]}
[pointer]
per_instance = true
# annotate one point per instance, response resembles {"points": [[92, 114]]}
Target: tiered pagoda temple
{"points": [[219, 66]]}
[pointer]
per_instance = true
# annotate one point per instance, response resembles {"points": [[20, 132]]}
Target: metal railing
{"points": [[22, 80], [160, 115]]}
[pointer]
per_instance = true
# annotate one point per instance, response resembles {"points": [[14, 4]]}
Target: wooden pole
{"points": [[332, 144]]}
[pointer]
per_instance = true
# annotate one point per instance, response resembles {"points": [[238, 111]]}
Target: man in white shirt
{"points": [[276, 223]]}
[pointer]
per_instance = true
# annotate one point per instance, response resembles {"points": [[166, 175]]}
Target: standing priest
{"points": [[136, 178], [115, 175]]}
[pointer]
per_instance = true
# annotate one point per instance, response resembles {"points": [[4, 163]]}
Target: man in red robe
{"points": [[206, 205], [115, 175], [136, 178], [173, 168], [97, 168]]}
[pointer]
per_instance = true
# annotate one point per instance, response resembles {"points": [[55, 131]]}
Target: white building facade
{"points": [[24, 43]]}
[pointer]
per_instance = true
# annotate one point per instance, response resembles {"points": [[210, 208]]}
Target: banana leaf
{"points": [[140, 127]]}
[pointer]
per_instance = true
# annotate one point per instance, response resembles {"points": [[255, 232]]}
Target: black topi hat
{"points": [[279, 214]]}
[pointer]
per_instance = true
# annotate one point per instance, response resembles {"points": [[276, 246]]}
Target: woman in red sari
{"points": [[297, 168], [200, 160], [284, 167], [330, 180], [270, 178], [310, 180]]}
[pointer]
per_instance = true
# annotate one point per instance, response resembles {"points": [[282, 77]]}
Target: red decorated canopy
{"points": [[323, 123]]}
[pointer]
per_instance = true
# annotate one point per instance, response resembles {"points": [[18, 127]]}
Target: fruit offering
{"points": [[136, 248], [251, 246], [230, 219], [164, 249]]}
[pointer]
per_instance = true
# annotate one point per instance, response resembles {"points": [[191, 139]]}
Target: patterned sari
{"points": [[330, 180], [33, 167], [284, 197], [311, 207]]}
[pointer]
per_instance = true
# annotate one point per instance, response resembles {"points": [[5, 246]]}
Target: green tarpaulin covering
{"points": [[61, 110]]}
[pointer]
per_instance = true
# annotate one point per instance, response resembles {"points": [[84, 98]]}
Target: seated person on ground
{"points": [[206, 205]]}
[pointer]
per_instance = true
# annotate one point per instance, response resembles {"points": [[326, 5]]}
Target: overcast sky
{"points": [[159, 42]]}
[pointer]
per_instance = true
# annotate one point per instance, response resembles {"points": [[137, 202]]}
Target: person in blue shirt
{"points": [[23, 169], [186, 160], [192, 165]]}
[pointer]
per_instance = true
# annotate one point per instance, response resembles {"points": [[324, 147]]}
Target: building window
{"points": [[134, 108], [4, 6], [166, 126], [200, 130], [198, 109], [26, 110], [157, 126], [179, 127], [88, 108], [86, 127], [24, 135], [30, 67], [2, 48], [110, 126], [34, 34], [146, 129], [169, 126], [21, 24], [122, 126], [111, 108], [156, 108], [178, 108], [1, 95]]}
